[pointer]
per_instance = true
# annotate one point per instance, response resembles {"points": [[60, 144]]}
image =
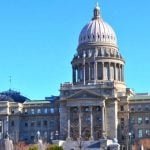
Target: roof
{"points": [[139, 97], [36, 102], [97, 30], [12, 96]]}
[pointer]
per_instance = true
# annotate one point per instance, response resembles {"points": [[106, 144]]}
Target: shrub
{"points": [[33, 148], [54, 147]]}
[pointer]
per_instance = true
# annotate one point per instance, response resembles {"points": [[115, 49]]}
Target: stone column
{"points": [[103, 70], [80, 122], [123, 73], [95, 72], [84, 71], [6, 125], [68, 109], [78, 73], [89, 72], [119, 72], [91, 119], [114, 71], [120, 68], [109, 72], [103, 121], [74, 74]]}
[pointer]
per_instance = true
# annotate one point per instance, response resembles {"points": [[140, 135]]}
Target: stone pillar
{"points": [[91, 119], [74, 74], [103, 121], [6, 125], [84, 71], [68, 111], [123, 73], [89, 72], [103, 70], [95, 72], [109, 72], [80, 122], [119, 72], [114, 71], [78, 72]]}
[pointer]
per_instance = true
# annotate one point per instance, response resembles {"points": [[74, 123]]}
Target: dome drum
{"points": [[92, 72], [101, 53]]}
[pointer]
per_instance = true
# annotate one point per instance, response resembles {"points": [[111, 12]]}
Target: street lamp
{"points": [[57, 135], [129, 134], [128, 140], [38, 135]]}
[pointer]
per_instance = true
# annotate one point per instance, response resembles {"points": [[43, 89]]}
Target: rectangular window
{"points": [[32, 124], [26, 124], [26, 111], [12, 123], [139, 120], [87, 119], [45, 123], [140, 133], [38, 111], [122, 108], [122, 123], [147, 132], [45, 110], [32, 111], [52, 123], [132, 120], [1, 126], [38, 123], [99, 119], [139, 107], [51, 110], [86, 109], [147, 120], [12, 111], [92, 71], [132, 109]]}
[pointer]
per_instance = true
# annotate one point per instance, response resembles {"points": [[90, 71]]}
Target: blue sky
{"points": [[38, 39]]}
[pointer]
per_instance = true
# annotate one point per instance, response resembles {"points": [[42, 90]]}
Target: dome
{"points": [[97, 30], [12, 96]]}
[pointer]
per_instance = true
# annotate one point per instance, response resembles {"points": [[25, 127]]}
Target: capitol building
{"points": [[96, 107]]}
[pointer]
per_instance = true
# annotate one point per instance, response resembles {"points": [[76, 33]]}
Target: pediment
{"points": [[84, 94]]}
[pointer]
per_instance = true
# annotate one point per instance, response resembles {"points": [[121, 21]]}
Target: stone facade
{"points": [[96, 105], [23, 120]]}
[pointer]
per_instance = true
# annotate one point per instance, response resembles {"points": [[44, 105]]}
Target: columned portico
{"points": [[95, 120]]}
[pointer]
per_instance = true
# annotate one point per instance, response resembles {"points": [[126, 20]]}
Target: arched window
{"points": [[92, 71], [86, 72], [106, 72], [117, 72], [111, 72], [99, 71]]}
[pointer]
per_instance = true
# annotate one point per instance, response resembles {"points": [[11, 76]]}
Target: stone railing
{"points": [[105, 84]]}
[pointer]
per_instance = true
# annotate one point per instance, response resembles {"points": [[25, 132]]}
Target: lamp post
{"points": [[57, 135], [38, 135], [129, 141], [51, 137]]}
